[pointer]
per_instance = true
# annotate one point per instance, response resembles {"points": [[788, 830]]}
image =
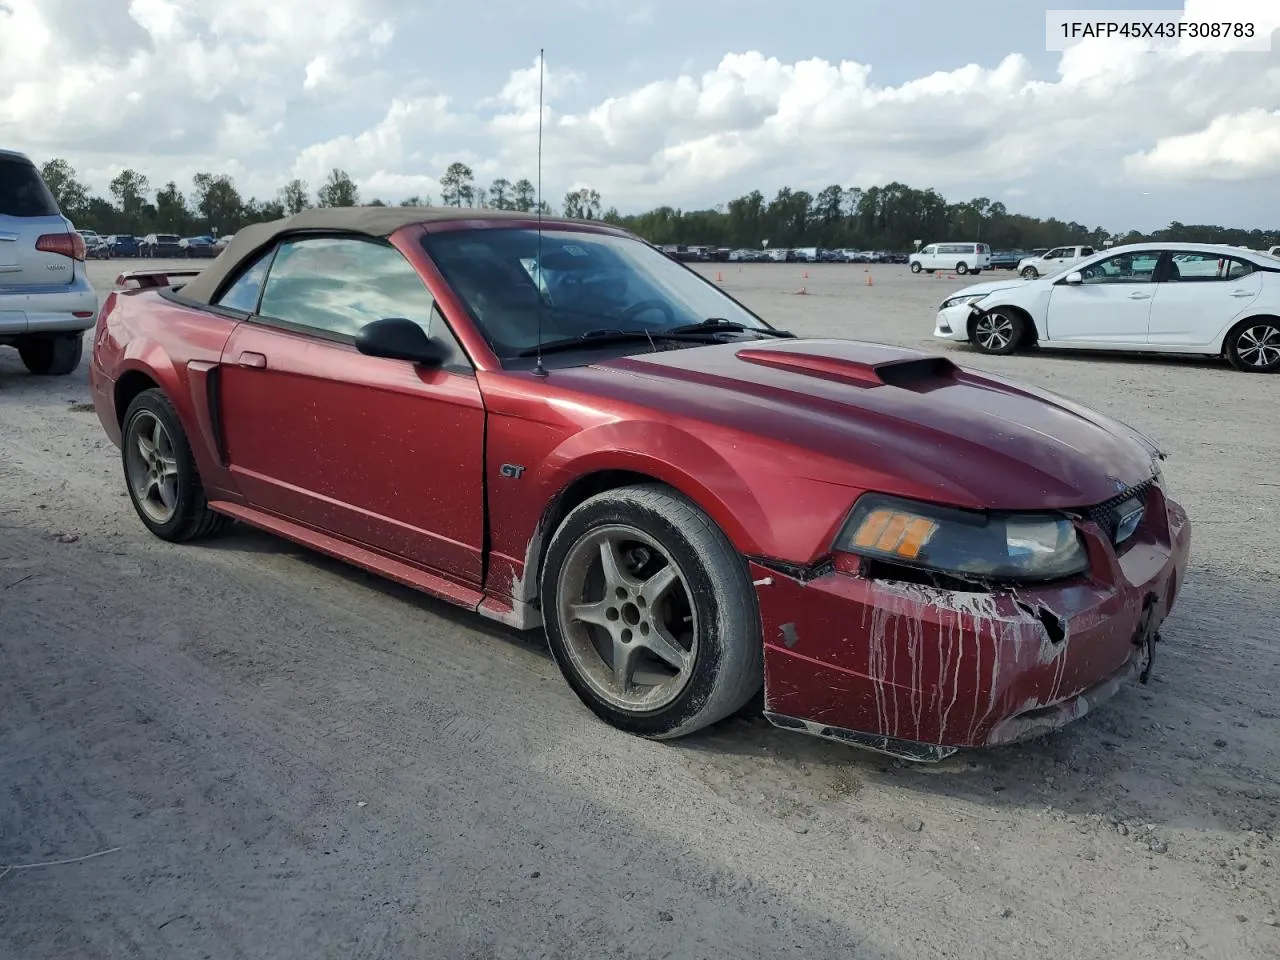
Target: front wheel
{"points": [[916, 268], [1254, 345], [998, 332], [53, 355], [1030, 273], [650, 613]]}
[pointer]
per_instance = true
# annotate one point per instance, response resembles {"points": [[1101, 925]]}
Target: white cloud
{"points": [[270, 91]]}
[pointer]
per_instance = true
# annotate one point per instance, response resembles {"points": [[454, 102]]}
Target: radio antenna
{"points": [[538, 369]]}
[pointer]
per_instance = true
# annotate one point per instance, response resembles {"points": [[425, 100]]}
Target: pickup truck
{"points": [[1052, 261]]}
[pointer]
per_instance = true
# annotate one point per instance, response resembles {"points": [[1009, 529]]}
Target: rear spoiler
{"points": [[146, 279]]}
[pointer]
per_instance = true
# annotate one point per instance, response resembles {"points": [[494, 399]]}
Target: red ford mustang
{"points": [[565, 428]]}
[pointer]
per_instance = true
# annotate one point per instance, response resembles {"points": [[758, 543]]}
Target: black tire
{"points": [[53, 355], [191, 518], [916, 268], [1253, 345], [726, 667], [962, 268], [1030, 273], [999, 332]]}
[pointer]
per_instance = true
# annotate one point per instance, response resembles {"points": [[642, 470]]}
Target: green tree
{"points": [[500, 194], [218, 201], [456, 188], [338, 190], [294, 197], [60, 177], [523, 196], [130, 190], [172, 215], [582, 204], [416, 201]]}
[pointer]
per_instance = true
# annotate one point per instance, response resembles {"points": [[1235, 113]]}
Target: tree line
{"points": [[889, 217]]}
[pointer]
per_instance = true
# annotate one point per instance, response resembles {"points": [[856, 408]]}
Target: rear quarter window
{"points": [[22, 192]]}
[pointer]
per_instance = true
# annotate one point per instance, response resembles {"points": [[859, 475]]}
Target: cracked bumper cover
{"points": [[919, 672]]}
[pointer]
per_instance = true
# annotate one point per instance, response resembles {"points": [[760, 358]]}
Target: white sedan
{"points": [[1188, 298]]}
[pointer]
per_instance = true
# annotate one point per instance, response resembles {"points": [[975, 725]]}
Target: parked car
{"points": [[124, 245], [1144, 297], [961, 257], [1004, 259], [96, 246], [160, 245], [1052, 261], [693, 504], [46, 301], [199, 247]]}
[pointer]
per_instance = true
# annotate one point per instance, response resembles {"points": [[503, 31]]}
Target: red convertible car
{"points": [[558, 426]]}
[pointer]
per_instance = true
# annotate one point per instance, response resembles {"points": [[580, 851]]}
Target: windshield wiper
{"points": [[721, 325], [602, 337]]}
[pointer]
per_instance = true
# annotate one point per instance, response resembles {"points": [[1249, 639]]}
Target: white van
{"points": [[959, 257]]}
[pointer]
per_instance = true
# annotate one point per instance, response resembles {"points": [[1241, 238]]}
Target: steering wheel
{"points": [[643, 306]]}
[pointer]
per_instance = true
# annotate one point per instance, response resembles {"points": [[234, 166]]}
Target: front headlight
{"points": [[988, 546], [960, 301]]}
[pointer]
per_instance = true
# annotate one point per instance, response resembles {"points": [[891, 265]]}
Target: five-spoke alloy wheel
{"points": [[650, 612], [160, 473]]}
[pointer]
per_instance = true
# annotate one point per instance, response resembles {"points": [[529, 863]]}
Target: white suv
{"points": [[961, 258], [1053, 261], [46, 302]]}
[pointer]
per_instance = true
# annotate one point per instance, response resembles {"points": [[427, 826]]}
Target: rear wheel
{"points": [[650, 613], [1254, 345], [160, 472], [53, 355], [998, 332], [962, 268]]}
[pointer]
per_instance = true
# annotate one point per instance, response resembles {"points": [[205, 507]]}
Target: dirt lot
{"points": [[286, 758]]}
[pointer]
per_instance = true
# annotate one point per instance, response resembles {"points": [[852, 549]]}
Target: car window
{"points": [[1123, 268], [22, 192], [1054, 254], [931, 249], [336, 285], [242, 295], [1206, 267], [1086, 251]]}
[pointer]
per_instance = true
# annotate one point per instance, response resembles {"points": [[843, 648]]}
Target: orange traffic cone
{"points": [[719, 279], [869, 283], [806, 275]]}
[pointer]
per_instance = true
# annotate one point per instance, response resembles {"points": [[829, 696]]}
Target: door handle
{"points": [[251, 359], [1139, 296], [1241, 293]]}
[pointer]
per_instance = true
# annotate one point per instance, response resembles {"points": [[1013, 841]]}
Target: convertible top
{"points": [[370, 221]]}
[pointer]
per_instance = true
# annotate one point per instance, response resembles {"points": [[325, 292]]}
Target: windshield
{"points": [[588, 282]]}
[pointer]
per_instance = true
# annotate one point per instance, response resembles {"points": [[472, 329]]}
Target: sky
{"points": [[687, 103]]}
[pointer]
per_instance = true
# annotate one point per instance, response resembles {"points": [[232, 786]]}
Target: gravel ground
{"points": [[283, 757]]}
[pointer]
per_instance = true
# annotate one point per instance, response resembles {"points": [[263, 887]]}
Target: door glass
{"points": [[336, 285], [1193, 267], [242, 295], [1123, 268]]}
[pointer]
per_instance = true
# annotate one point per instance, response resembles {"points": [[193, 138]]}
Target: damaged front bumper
{"points": [[920, 672]]}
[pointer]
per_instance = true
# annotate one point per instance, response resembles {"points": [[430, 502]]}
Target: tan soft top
{"points": [[370, 221]]}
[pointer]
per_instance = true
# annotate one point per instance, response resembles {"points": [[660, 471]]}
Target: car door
{"points": [[1198, 297], [1110, 306], [381, 452], [929, 257]]}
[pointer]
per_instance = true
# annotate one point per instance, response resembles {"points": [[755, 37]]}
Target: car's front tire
{"points": [[1253, 345], [52, 355], [1030, 273], [916, 268], [650, 613], [999, 332], [160, 472]]}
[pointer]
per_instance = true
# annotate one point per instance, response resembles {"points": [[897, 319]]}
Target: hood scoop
{"points": [[911, 373]]}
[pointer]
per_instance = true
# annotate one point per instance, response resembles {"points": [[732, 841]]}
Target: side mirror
{"points": [[1074, 277], [396, 338]]}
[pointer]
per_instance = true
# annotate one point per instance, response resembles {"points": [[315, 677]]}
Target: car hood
{"points": [[989, 286], [882, 417]]}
